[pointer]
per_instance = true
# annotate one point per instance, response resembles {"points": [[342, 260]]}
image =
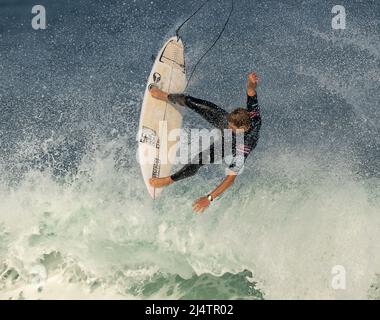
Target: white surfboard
{"points": [[158, 118]]}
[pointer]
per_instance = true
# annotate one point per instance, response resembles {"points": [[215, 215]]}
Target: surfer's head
{"points": [[239, 119]]}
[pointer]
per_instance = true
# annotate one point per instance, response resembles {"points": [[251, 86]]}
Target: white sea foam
{"points": [[100, 236]]}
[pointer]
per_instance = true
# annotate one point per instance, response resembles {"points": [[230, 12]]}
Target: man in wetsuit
{"points": [[246, 120]]}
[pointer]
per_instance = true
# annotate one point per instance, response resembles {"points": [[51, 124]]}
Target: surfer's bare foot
{"points": [[158, 94], [160, 182]]}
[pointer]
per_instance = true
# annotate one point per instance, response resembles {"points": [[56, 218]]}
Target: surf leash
{"points": [[189, 18], [215, 41]]}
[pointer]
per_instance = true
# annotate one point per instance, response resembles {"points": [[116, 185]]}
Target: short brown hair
{"points": [[240, 117]]}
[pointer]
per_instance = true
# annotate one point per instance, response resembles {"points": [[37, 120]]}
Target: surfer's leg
{"points": [[187, 171], [158, 94], [160, 182], [208, 110]]}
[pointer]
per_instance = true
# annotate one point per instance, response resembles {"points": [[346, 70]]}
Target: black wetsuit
{"points": [[218, 118]]}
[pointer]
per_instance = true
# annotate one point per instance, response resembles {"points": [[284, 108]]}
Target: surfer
{"points": [[246, 120]]}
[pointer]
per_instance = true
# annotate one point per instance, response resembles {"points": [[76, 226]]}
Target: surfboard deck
{"points": [[158, 118]]}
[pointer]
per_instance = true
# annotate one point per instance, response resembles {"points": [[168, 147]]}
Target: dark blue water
{"points": [[70, 97]]}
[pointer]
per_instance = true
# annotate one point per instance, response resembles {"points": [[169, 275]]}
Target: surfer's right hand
{"points": [[252, 83], [253, 78]]}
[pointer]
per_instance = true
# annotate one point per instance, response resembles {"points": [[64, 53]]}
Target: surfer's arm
{"points": [[226, 183], [252, 102], [202, 203]]}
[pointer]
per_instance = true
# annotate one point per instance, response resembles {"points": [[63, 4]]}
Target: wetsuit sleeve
{"points": [[207, 110], [252, 103], [254, 111]]}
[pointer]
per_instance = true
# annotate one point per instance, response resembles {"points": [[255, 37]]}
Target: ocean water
{"points": [[75, 218]]}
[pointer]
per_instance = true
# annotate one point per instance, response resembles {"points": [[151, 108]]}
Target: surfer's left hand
{"points": [[201, 204]]}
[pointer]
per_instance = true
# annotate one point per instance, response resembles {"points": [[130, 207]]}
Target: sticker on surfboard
{"points": [[148, 136]]}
